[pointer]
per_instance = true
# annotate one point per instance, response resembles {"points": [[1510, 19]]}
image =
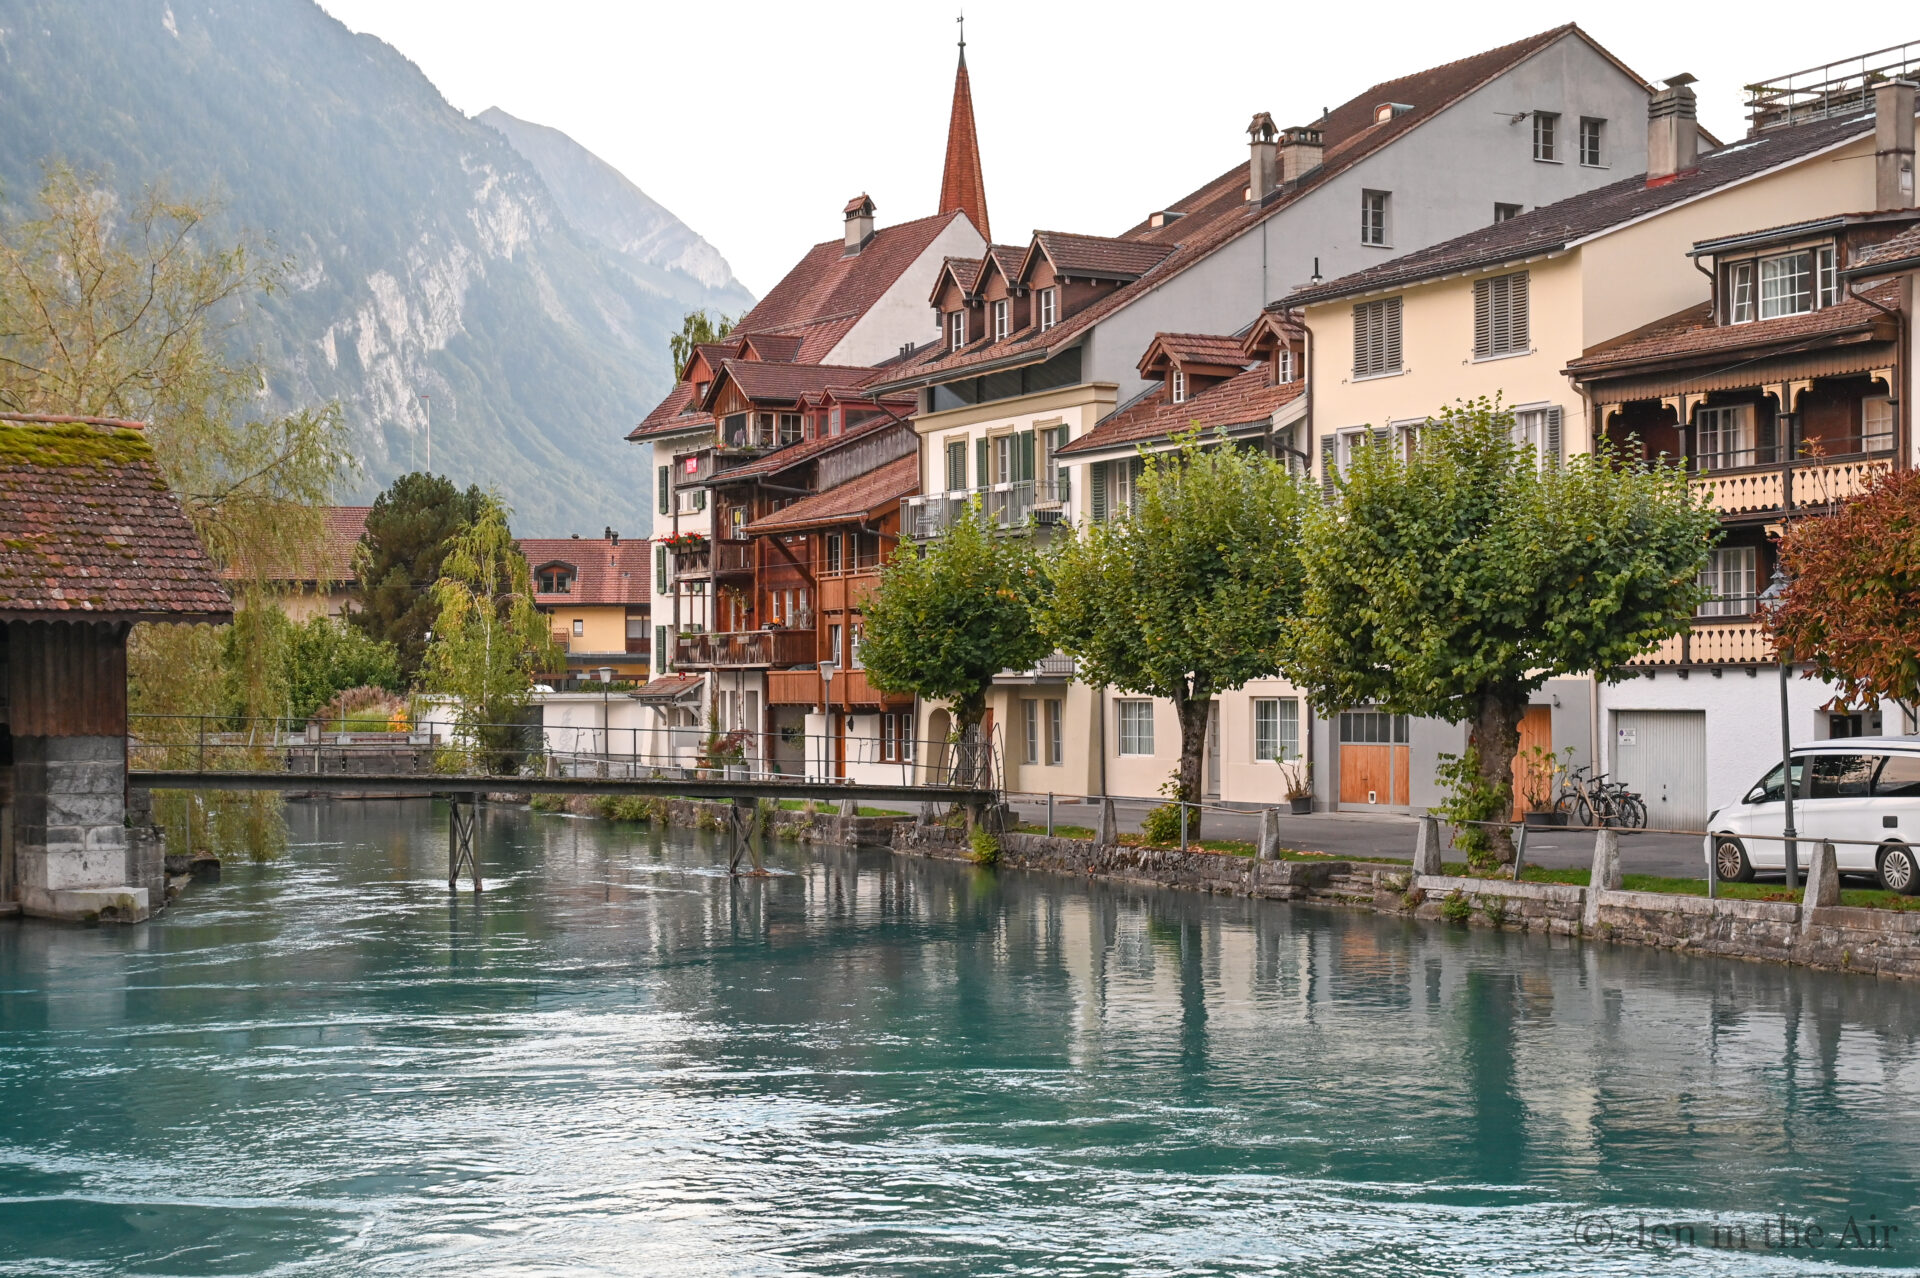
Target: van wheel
{"points": [[1898, 870], [1730, 862]]}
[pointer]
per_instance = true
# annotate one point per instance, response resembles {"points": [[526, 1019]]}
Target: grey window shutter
{"points": [[1097, 491], [1327, 465], [1382, 436], [980, 479], [1390, 328], [1483, 319], [1550, 446], [1365, 341], [1517, 321]]}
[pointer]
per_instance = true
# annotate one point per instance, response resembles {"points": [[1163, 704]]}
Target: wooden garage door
{"points": [[1662, 756]]}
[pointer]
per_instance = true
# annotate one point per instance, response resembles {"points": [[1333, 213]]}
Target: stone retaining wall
{"points": [[1880, 942], [709, 814]]}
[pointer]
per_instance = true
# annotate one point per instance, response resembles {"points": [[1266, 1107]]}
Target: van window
{"points": [[1899, 777], [1767, 789], [1843, 776]]}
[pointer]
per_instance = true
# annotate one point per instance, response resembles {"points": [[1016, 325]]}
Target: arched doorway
{"points": [[939, 728]]}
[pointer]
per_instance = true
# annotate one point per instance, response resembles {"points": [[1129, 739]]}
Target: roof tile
{"points": [[852, 500]]}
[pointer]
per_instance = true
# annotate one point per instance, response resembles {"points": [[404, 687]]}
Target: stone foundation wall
{"points": [[1878, 942], [70, 830], [803, 827]]}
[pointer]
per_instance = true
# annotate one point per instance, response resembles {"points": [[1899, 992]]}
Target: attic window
{"points": [[1002, 321], [1283, 365], [556, 581], [956, 330], [1164, 216], [1387, 110], [1049, 308], [1177, 386]]}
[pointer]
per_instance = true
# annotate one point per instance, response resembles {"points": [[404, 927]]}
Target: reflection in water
{"points": [[620, 1060]]}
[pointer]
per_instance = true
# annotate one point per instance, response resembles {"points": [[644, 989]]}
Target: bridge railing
{"points": [[212, 744]]}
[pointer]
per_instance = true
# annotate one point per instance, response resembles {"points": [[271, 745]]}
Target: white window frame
{"points": [[1780, 304], [1283, 365], [956, 330], [1502, 324], [1731, 575], [1276, 729], [1504, 212], [1056, 732], [1376, 219], [1826, 277], [1135, 735], [1546, 137], [1002, 319], [1049, 303], [1177, 387], [1383, 315], [1596, 128], [1030, 716], [1534, 425], [1740, 299], [1876, 423], [1723, 434], [1345, 440]]}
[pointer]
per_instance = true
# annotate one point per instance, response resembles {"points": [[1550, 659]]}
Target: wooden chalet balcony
{"points": [[743, 649], [1736, 641], [730, 556], [851, 690], [1782, 487], [847, 589], [693, 561]]}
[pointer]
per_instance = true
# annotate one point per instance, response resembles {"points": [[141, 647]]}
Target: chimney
{"points": [[1264, 138], [1673, 132], [1893, 144], [859, 223], [1300, 151]]}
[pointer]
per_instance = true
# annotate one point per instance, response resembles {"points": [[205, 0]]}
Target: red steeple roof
{"points": [[961, 185]]}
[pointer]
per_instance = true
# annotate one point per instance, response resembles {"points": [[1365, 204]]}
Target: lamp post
{"points": [[1771, 596]]}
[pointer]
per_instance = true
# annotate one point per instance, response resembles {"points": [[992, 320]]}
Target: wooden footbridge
{"points": [[419, 763]]}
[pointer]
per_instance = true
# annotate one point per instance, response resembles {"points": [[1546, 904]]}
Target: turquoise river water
{"points": [[620, 1061]]}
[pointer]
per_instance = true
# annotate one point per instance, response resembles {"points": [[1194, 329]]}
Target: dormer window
{"points": [[1002, 319], [1780, 285], [956, 330], [556, 580], [1283, 365], [1049, 308], [1177, 386]]}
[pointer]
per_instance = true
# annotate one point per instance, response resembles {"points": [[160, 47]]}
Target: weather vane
{"points": [[962, 20]]}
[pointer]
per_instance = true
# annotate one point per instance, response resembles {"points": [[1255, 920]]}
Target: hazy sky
{"points": [[756, 122]]}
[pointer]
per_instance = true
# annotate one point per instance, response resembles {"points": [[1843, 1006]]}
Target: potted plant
{"points": [[726, 755], [1296, 782], [1540, 770]]}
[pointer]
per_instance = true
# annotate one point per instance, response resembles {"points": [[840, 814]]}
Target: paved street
{"points": [[1384, 835]]}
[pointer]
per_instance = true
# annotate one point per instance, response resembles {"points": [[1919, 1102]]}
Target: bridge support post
{"points": [[742, 817], [460, 849]]}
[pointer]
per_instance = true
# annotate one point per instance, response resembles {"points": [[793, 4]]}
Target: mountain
{"points": [[432, 268], [598, 199]]}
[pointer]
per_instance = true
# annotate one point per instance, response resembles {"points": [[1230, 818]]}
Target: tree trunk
{"points": [[970, 751], [1495, 738], [1193, 712]]}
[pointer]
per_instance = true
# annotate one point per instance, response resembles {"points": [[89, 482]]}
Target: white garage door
{"points": [[1662, 756]]}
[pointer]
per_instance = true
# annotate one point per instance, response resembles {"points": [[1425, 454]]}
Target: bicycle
{"points": [[1588, 798]]}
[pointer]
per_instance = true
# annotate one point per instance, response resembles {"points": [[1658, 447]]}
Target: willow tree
{"points": [[949, 616], [1191, 594], [135, 308], [1453, 580], [489, 641]]}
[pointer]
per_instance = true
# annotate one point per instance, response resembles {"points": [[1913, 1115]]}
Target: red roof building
{"points": [[597, 593]]}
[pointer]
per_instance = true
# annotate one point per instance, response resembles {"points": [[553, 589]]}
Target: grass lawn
{"points": [[1871, 898], [800, 805]]}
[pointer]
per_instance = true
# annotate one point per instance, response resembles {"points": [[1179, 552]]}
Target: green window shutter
{"points": [[980, 462], [1097, 492], [1025, 453], [660, 569], [1328, 464], [666, 490]]}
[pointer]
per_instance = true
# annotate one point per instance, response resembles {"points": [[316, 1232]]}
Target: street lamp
{"points": [[1770, 597]]}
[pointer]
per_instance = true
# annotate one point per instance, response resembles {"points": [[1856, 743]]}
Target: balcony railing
{"points": [[851, 688], [1008, 505], [732, 556], [693, 561], [1738, 642], [1787, 486], [733, 649]]}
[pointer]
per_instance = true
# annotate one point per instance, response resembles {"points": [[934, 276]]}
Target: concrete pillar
{"points": [[1605, 876], [1270, 834], [849, 808], [1823, 884], [1108, 833], [70, 830], [1426, 846]]}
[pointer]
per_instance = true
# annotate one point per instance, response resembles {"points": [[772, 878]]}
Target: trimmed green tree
{"points": [[1452, 581], [949, 616], [696, 329], [488, 639], [409, 532], [1190, 595]]}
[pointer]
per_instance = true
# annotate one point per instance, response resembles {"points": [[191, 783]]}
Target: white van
{"points": [[1862, 789]]}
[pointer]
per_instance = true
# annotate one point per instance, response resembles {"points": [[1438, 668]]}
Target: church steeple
{"points": [[961, 184]]}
